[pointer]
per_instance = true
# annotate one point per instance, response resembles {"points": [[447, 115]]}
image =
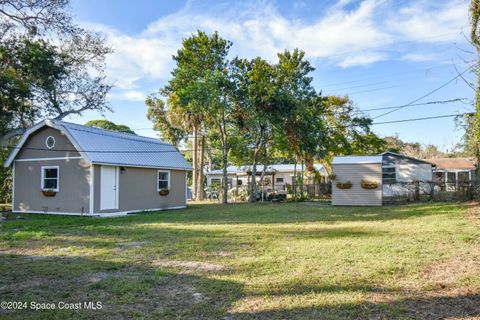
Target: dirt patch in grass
{"points": [[24, 285], [188, 266], [222, 254], [97, 276], [452, 304], [133, 244], [446, 274], [473, 211]]}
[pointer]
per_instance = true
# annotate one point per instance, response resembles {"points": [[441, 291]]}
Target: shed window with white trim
{"points": [[50, 178], [163, 180]]}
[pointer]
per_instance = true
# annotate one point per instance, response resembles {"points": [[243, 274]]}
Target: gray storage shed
{"points": [[368, 180], [66, 168]]}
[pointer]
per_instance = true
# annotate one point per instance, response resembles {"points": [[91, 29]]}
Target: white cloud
{"points": [[420, 57], [345, 37], [430, 22], [362, 59], [128, 95]]}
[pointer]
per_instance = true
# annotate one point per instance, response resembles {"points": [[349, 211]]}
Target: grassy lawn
{"points": [[287, 261]]}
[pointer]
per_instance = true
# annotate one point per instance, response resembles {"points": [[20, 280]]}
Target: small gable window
{"points": [[163, 182], [50, 142], [50, 178]]}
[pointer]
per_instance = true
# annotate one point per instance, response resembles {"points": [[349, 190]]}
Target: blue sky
{"points": [[380, 53]]}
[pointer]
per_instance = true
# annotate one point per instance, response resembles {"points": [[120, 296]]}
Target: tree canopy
{"points": [[49, 67], [241, 111], [109, 125]]}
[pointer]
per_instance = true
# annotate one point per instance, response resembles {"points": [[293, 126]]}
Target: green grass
{"points": [[287, 261]]}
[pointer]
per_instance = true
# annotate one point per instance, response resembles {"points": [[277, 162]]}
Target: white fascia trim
{"points": [[92, 190], [48, 159], [139, 166], [56, 213], [453, 170], [70, 137], [36, 127], [123, 213], [101, 215], [13, 187], [20, 143]]}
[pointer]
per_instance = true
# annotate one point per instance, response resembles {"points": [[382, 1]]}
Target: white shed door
{"points": [[108, 188]]}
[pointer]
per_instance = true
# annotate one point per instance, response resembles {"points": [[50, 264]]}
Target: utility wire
{"points": [[427, 94], [364, 110], [390, 76], [369, 90], [424, 118], [185, 150], [415, 104]]}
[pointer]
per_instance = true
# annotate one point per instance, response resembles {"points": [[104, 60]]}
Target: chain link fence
{"points": [[402, 192], [393, 193]]}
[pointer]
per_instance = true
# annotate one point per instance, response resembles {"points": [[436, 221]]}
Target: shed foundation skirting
{"points": [[98, 215]]}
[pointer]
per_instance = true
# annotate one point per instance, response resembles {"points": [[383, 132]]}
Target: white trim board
{"points": [[13, 187], [48, 159], [54, 213], [120, 213], [139, 166], [100, 215], [36, 127], [92, 190]]}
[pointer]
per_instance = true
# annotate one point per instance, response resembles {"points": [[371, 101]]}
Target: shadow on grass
{"points": [[297, 212], [129, 290], [244, 214], [126, 290], [326, 233], [430, 308]]}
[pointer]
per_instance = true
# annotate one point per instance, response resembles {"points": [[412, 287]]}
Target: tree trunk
{"points": [[253, 188], [294, 181], [302, 182], [200, 195], [223, 130], [194, 162], [225, 175]]}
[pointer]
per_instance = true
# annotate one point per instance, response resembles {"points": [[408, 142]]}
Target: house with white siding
{"points": [[368, 180], [278, 176]]}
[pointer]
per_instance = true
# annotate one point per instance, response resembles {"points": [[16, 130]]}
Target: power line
{"points": [[186, 150], [335, 84], [365, 110], [415, 104], [425, 95], [370, 90], [424, 118]]}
